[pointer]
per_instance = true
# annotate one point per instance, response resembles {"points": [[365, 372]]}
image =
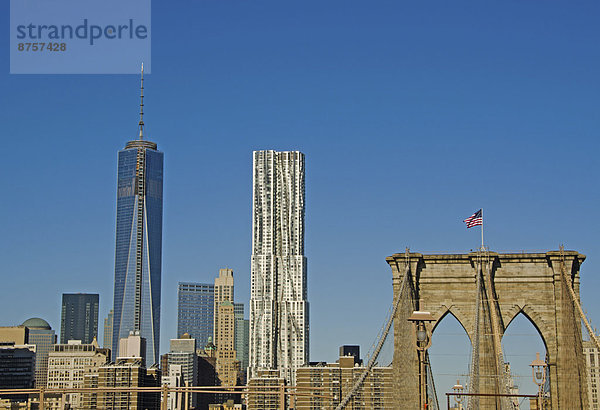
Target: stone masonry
{"points": [[528, 283]]}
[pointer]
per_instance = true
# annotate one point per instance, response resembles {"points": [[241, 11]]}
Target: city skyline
{"points": [[411, 118]]}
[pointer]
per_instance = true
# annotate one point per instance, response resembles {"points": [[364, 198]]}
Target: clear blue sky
{"points": [[411, 116]]}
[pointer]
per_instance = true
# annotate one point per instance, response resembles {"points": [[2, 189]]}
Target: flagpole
{"points": [[482, 248]]}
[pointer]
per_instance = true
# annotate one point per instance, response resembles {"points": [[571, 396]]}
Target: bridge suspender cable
{"points": [[388, 325], [563, 271], [474, 373], [503, 376]]}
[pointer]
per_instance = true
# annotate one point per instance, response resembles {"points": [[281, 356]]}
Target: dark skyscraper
{"points": [[79, 317], [139, 243], [195, 310]]}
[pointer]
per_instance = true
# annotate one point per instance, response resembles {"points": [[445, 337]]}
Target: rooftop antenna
{"points": [[141, 123]]}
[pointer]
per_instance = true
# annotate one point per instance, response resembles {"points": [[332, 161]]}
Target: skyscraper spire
{"points": [[141, 123], [138, 250]]}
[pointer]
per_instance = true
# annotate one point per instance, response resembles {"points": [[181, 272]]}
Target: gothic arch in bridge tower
{"points": [[455, 312], [534, 318], [510, 284]]}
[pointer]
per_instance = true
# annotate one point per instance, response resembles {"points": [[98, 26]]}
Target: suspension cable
{"points": [[575, 300], [474, 373], [503, 377], [373, 358]]}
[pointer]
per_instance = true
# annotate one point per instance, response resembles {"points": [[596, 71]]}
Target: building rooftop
{"points": [[36, 323], [141, 144]]}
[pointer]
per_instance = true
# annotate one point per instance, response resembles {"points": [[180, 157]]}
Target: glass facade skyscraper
{"points": [[195, 310], [79, 317], [139, 245], [242, 335], [138, 250]]}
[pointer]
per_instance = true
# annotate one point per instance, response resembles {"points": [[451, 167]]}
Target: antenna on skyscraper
{"points": [[141, 123]]}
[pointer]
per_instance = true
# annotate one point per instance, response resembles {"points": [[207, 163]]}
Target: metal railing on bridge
{"points": [[282, 392]]}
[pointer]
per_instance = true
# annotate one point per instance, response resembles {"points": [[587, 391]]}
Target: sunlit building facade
{"points": [[223, 292], [68, 363], [108, 330], [278, 302], [592, 361], [335, 380]]}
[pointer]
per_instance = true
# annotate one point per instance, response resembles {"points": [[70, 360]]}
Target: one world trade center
{"points": [[139, 243]]}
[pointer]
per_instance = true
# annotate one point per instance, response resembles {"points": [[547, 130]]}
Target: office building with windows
{"points": [[195, 310], [336, 380], [138, 248], [592, 361], [79, 317], [223, 292], [108, 330], [43, 337], [242, 335], [68, 363], [13, 335], [17, 366], [278, 295], [125, 372], [183, 354], [228, 367]]}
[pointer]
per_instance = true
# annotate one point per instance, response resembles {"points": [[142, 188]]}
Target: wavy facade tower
{"points": [[278, 302], [138, 250]]}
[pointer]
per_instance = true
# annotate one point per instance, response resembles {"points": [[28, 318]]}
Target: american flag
{"points": [[474, 220]]}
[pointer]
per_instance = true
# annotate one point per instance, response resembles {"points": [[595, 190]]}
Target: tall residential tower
{"points": [[139, 242], [278, 295]]}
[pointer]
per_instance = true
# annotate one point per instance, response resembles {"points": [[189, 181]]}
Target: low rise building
{"points": [[17, 371], [183, 354], [324, 385], [126, 372], [133, 346], [67, 364], [17, 367], [592, 362], [13, 335], [207, 374], [264, 391], [173, 379], [52, 401], [227, 405]]}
